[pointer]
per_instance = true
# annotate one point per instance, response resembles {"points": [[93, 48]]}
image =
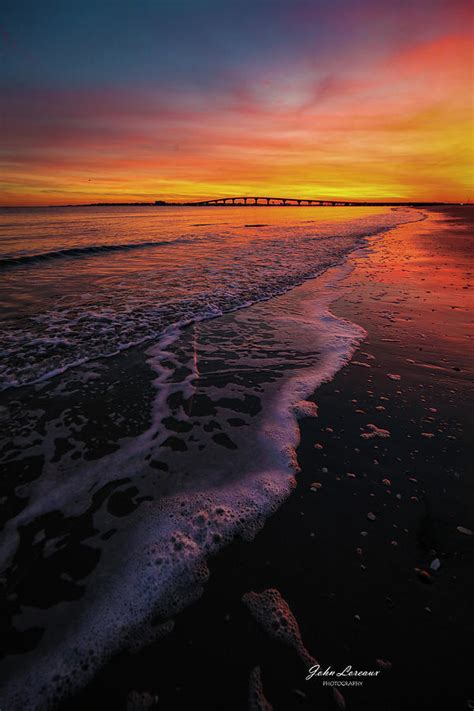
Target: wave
{"points": [[169, 543], [26, 259], [157, 562], [107, 321]]}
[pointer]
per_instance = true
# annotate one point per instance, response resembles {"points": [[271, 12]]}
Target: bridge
{"points": [[262, 201]]}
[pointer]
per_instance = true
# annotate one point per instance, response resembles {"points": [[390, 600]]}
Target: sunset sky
{"points": [[173, 99]]}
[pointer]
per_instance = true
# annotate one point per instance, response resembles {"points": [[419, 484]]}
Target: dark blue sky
{"points": [[197, 42]]}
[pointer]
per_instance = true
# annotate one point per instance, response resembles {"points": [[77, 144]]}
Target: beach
{"points": [[315, 441], [236, 356]]}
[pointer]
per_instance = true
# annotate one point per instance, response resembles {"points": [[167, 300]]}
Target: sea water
{"points": [[154, 364]]}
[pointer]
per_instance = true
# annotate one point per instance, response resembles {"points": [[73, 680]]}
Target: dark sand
{"points": [[357, 598]]}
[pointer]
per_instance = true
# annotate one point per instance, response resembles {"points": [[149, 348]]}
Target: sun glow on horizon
{"points": [[361, 121]]}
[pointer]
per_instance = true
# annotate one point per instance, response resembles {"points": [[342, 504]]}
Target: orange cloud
{"points": [[401, 129]]}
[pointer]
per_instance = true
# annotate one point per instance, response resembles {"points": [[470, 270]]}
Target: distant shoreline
{"points": [[199, 204]]}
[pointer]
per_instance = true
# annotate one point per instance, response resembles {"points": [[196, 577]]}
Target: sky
{"points": [[143, 100]]}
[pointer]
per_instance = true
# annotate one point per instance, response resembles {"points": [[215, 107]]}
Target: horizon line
{"points": [[219, 202]]}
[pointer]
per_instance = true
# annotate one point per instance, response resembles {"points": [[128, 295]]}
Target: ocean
{"points": [[154, 364]]}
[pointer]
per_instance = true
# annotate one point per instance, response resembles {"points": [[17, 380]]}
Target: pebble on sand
{"points": [[424, 576], [466, 531], [375, 432]]}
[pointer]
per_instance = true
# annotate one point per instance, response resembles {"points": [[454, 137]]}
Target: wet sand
{"points": [[354, 549]]}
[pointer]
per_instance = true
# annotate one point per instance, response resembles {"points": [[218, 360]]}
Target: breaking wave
{"points": [[90, 250]]}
